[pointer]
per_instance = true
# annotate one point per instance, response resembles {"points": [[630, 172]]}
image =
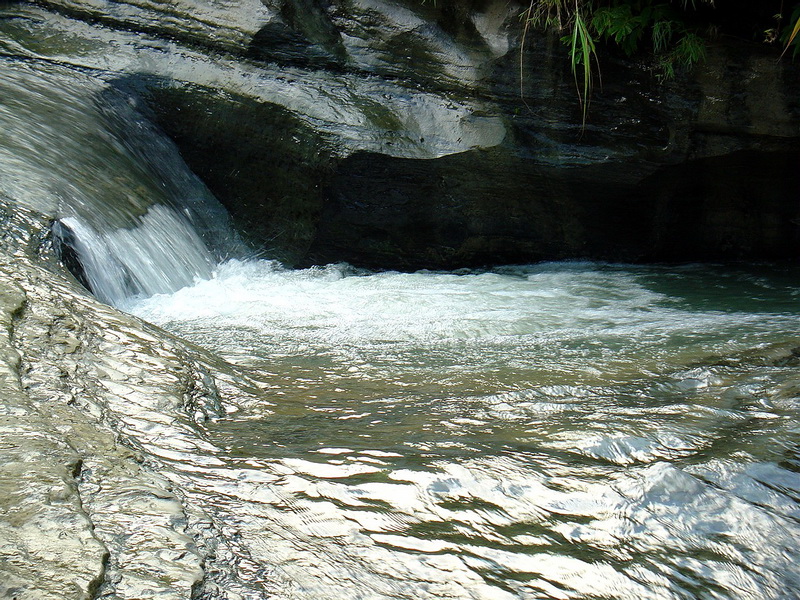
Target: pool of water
{"points": [[566, 430]]}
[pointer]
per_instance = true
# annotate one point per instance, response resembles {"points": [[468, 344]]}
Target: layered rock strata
{"points": [[407, 134]]}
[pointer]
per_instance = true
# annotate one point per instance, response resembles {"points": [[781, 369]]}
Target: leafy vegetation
{"points": [[789, 34], [671, 34], [669, 30], [626, 24]]}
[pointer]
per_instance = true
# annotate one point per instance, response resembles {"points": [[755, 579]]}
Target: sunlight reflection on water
{"points": [[553, 431]]}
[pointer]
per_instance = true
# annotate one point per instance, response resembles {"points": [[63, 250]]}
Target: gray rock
{"points": [[89, 397], [409, 134], [48, 549]]}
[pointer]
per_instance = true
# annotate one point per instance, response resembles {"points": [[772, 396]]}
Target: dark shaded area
{"points": [[264, 165], [472, 209], [704, 168], [311, 19], [64, 246], [744, 205], [276, 42], [627, 189], [487, 207], [742, 18]]}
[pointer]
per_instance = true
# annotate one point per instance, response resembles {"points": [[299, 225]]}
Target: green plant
{"points": [[687, 52], [628, 25], [567, 15], [654, 24], [789, 35]]}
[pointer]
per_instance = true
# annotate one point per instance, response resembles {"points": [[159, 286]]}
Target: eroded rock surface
{"points": [[48, 549], [93, 400], [410, 134]]}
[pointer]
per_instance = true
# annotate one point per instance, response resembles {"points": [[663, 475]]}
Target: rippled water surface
{"points": [[551, 431]]}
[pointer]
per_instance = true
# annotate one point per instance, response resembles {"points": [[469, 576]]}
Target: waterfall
{"points": [[161, 254], [129, 217]]}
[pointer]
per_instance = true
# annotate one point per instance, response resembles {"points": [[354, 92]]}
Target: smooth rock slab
{"points": [[47, 546], [84, 511]]}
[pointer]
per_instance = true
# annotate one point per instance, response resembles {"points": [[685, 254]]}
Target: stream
{"points": [[563, 430], [549, 431]]}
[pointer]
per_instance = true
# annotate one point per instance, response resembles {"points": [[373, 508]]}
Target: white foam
{"points": [[160, 254], [337, 304], [341, 304]]}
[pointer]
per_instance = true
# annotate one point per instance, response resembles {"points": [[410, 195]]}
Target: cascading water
{"points": [[160, 254], [129, 217]]}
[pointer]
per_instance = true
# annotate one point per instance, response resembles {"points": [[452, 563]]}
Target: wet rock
{"points": [[482, 207], [90, 396], [48, 549], [309, 118], [230, 25], [291, 163]]}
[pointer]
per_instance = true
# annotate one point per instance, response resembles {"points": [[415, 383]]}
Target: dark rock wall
{"points": [[266, 165], [417, 135]]}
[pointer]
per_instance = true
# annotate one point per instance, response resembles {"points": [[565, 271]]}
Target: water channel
{"points": [[566, 430], [559, 430]]}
